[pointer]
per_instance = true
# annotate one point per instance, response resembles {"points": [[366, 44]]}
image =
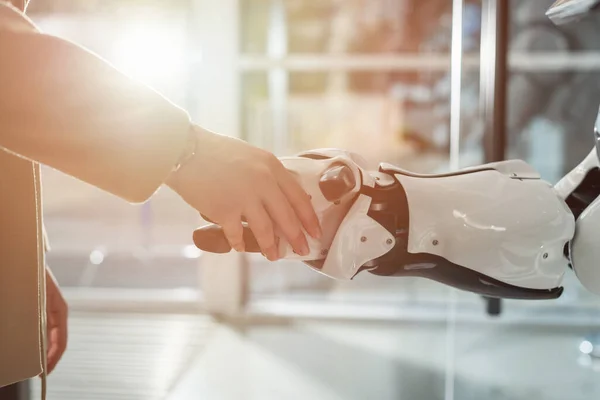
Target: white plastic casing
{"points": [[573, 179], [350, 237], [501, 223]]}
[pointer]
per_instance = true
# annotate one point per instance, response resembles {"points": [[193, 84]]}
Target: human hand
{"points": [[229, 181], [56, 321]]}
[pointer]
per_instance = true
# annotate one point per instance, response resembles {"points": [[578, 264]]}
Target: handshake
{"points": [[315, 207], [333, 182], [249, 194]]}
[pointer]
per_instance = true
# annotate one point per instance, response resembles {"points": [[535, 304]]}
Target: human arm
{"points": [[65, 107]]}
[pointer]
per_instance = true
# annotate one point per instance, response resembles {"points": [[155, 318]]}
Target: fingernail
{"points": [[304, 250], [240, 248], [273, 254]]}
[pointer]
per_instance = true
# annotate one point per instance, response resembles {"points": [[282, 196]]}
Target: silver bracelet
{"points": [[189, 151]]}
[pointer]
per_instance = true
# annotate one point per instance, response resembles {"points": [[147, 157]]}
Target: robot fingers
{"points": [[212, 239]]}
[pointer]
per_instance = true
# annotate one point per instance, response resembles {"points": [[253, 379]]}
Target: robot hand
{"points": [[496, 229]]}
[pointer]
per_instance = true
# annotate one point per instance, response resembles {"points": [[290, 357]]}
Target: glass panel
{"points": [[98, 240]]}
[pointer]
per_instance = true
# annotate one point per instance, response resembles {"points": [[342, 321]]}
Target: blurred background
{"points": [[427, 85]]}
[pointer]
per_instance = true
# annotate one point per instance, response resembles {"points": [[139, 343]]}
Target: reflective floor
{"points": [[183, 357], [126, 356]]}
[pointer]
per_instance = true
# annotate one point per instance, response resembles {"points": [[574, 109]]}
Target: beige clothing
{"points": [[63, 106]]}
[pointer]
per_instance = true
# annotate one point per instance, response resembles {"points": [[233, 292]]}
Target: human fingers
{"points": [[282, 213], [234, 232], [261, 225], [58, 334], [300, 202]]}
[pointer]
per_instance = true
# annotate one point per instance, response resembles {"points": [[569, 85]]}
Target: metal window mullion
{"points": [[526, 62]]}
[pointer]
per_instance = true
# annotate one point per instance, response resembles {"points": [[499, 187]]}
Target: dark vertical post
{"points": [[494, 83]]}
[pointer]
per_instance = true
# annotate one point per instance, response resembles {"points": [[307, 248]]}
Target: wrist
{"points": [[189, 151], [187, 154]]}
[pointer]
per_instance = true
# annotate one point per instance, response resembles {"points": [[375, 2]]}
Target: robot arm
{"points": [[496, 229]]}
